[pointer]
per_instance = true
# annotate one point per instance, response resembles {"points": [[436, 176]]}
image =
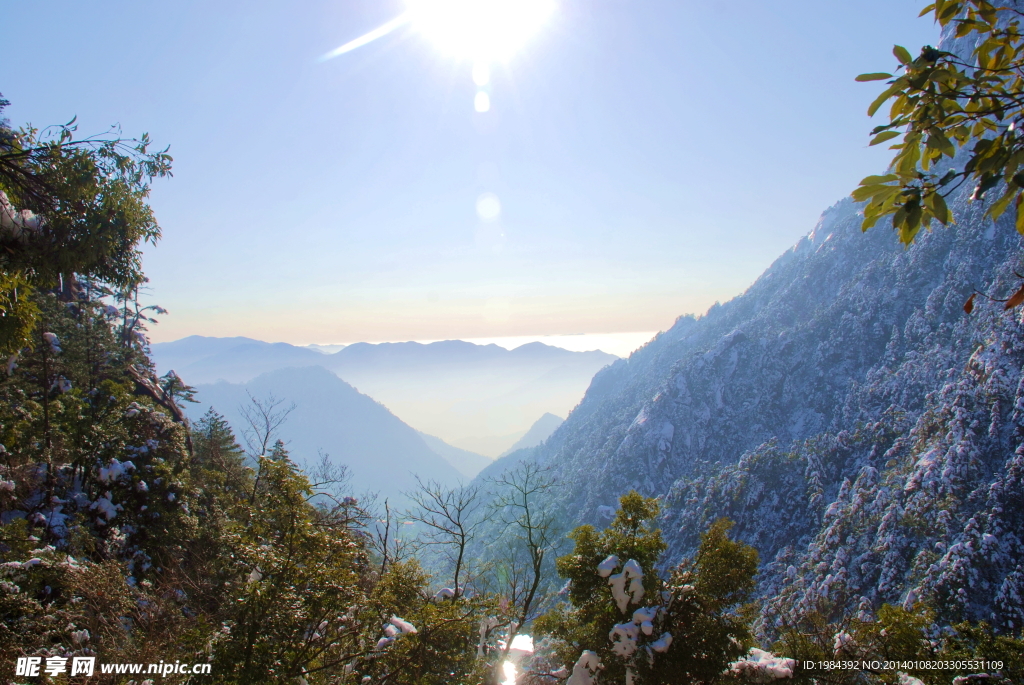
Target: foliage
{"points": [[692, 631], [900, 634], [70, 206], [959, 119], [120, 541]]}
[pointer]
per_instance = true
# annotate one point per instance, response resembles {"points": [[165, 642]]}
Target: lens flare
{"points": [[366, 38], [488, 207]]}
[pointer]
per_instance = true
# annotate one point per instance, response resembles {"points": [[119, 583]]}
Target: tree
{"points": [[642, 627], [70, 206], [959, 118], [531, 536], [450, 518], [263, 417], [907, 634]]}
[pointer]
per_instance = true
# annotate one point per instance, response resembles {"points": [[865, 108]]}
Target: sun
{"points": [[479, 30]]}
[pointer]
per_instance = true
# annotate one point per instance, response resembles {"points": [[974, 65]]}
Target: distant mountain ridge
{"points": [[202, 359], [477, 397]]}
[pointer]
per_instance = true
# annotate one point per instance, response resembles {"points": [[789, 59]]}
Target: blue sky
{"points": [[650, 156]]}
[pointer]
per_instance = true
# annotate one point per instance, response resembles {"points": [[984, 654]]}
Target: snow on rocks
{"points": [[585, 670], [760, 666]]}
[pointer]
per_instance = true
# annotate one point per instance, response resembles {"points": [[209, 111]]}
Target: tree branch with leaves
{"points": [[957, 120]]}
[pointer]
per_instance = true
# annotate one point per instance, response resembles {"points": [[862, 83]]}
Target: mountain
{"points": [[381, 452], [199, 359], [538, 433], [865, 434], [465, 462], [325, 349], [476, 397]]}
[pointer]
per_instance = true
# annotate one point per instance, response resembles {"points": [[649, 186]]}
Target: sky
{"points": [[639, 160]]}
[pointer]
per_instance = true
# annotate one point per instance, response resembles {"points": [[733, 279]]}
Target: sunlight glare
{"points": [[482, 102], [509, 669], [481, 74], [482, 30]]}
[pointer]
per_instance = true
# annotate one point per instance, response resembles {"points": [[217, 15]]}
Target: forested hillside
{"points": [[861, 429]]}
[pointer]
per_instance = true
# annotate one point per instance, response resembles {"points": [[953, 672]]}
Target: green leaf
{"points": [[877, 76], [870, 221], [875, 180], [1020, 216], [884, 136], [902, 54], [940, 142], [886, 94], [1001, 205], [937, 203]]}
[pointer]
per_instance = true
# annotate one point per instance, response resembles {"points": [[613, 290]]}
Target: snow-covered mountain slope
{"points": [[866, 435]]}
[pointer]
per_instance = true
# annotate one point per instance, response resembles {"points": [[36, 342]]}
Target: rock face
{"points": [[864, 433]]}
